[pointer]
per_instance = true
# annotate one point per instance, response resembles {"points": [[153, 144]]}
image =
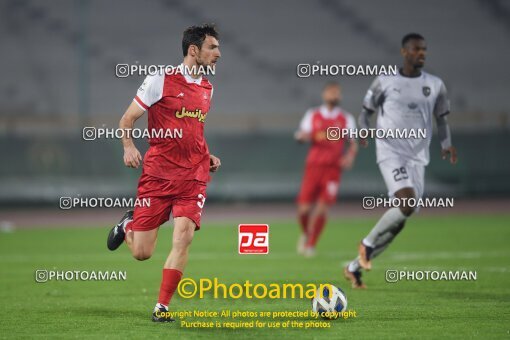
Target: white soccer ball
{"points": [[329, 301]]}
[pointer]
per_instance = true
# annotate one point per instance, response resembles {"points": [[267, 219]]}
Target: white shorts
{"points": [[399, 173]]}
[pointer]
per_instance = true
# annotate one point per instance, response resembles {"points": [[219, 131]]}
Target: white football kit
{"points": [[406, 103]]}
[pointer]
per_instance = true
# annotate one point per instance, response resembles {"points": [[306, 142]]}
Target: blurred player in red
{"points": [[324, 164], [175, 168]]}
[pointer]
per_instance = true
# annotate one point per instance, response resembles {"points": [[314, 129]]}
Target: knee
{"points": [[405, 196], [142, 254], [407, 210], [304, 209], [322, 209]]}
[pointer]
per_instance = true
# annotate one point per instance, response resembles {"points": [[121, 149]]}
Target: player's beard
{"points": [[203, 65], [333, 103], [418, 66]]}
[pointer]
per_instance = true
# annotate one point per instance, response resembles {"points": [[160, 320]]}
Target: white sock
{"points": [[125, 224], [391, 219], [354, 265], [160, 305], [367, 243]]}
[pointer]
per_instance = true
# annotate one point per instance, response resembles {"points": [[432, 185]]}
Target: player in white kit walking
{"points": [[409, 100]]}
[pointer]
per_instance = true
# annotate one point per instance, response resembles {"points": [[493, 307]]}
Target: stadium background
{"points": [[59, 61]]}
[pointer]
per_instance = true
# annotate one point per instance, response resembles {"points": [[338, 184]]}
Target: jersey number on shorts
{"points": [[400, 174], [201, 202]]}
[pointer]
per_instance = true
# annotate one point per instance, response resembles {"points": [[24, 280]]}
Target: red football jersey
{"points": [[177, 103], [316, 122]]}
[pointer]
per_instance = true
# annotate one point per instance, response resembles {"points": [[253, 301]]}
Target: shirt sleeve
{"points": [[151, 91], [350, 122], [442, 106], [306, 122], [374, 96]]}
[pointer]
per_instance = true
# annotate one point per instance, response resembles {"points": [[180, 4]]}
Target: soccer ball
{"points": [[329, 301]]}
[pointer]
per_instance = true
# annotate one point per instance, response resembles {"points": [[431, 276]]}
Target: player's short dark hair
{"points": [[411, 36], [331, 84], [195, 35]]}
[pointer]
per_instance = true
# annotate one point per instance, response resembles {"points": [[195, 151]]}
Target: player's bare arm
{"points": [[451, 152], [447, 149], [304, 131], [302, 136], [364, 123], [347, 160], [305, 137], [215, 163], [132, 157]]}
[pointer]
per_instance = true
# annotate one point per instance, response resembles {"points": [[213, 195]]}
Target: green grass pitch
{"points": [[121, 309]]}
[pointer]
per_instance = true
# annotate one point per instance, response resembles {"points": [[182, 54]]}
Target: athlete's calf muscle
{"points": [[142, 243], [184, 230]]}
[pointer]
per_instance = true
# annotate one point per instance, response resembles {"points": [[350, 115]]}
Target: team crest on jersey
{"points": [[426, 91], [143, 86], [191, 114]]}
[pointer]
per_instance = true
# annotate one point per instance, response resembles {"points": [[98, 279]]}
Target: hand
{"points": [[320, 136], [214, 163], [347, 162], [132, 157], [452, 152], [301, 136], [363, 142]]}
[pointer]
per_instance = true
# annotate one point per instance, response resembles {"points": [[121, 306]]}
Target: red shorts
{"points": [[320, 183], [181, 198]]}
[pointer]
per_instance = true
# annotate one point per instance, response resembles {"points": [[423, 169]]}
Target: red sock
{"points": [[318, 226], [169, 283], [303, 220]]}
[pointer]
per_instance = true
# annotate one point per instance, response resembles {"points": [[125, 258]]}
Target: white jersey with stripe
{"points": [[406, 103]]}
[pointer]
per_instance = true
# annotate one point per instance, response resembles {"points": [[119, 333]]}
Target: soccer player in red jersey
{"points": [[324, 164], [175, 170]]}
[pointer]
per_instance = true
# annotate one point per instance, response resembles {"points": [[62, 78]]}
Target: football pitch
{"points": [[122, 309]]}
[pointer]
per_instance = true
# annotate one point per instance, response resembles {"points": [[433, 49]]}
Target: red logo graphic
{"points": [[253, 239]]}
